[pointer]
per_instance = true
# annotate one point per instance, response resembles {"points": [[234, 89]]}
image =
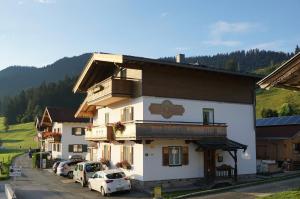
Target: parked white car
{"points": [[109, 181], [65, 168], [84, 170]]}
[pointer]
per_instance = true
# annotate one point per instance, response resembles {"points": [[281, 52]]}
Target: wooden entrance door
{"points": [[209, 164]]}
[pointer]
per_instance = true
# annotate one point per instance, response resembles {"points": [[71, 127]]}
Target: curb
{"points": [[220, 190]]}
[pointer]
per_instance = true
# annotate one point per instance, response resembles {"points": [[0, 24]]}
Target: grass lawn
{"points": [[15, 141], [274, 98], [292, 194]]}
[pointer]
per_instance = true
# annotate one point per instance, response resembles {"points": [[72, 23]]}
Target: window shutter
{"points": [[84, 148], [109, 153], [122, 115], [131, 154], [131, 112], [82, 131], [185, 155], [165, 156], [121, 153], [73, 131], [70, 148], [103, 147]]}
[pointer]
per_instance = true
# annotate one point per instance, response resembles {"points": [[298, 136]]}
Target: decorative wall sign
{"points": [[166, 109]]}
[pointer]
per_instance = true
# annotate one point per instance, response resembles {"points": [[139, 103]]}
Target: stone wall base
{"points": [[183, 183]]}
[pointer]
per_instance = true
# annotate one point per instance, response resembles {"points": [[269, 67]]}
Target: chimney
{"points": [[180, 58]]}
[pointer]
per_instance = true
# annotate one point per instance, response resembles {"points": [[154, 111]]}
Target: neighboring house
{"points": [[278, 138], [63, 134], [165, 122]]}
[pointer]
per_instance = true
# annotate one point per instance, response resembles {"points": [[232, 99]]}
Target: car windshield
{"points": [[93, 167], [115, 175]]}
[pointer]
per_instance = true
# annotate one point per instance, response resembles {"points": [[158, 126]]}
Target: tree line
{"points": [[30, 103]]}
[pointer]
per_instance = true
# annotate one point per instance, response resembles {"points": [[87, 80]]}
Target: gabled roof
{"points": [[59, 114], [278, 121], [114, 60]]}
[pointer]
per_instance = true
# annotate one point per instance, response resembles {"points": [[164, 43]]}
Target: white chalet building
{"points": [[62, 134], [165, 122]]}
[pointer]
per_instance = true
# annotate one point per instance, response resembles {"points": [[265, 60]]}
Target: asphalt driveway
{"points": [[36, 184]]}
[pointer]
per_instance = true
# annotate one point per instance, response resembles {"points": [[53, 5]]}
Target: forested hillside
{"points": [[51, 87], [17, 78], [245, 61], [25, 106]]}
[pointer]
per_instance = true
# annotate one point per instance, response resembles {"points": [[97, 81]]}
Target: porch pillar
{"points": [[235, 165]]}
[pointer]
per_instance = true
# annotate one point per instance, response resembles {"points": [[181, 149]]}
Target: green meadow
{"points": [[16, 141]]}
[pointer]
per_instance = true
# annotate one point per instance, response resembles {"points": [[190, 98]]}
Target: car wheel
{"points": [[70, 175], [102, 191], [89, 186], [82, 183]]}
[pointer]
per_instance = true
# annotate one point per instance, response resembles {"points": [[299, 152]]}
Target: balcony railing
{"points": [[110, 90], [99, 133], [141, 129]]}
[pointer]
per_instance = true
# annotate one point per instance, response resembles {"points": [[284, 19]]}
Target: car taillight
{"points": [[126, 178], [108, 181]]}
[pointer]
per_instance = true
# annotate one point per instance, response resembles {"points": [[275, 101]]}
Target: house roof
{"points": [[286, 76], [278, 121], [277, 132], [278, 127], [219, 143], [59, 114], [132, 61]]}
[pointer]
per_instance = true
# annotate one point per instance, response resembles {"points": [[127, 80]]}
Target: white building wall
{"points": [[238, 117], [67, 139], [137, 167], [154, 170], [115, 111]]}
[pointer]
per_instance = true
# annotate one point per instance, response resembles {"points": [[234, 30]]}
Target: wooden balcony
{"points": [[111, 90], [138, 130], [99, 133]]}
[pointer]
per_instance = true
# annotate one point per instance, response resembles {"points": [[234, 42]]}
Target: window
{"points": [[77, 148], [58, 147], [106, 118], [54, 147], [208, 116], [296, 147], [106, 152], [78, 131], [127, 114], [175, 155], [127, 154]]}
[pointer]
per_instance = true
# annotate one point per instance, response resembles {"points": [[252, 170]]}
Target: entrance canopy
{"points": [[224, 144]]}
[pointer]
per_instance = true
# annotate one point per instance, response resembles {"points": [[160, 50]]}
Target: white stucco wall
{"points": [[67, 139], [115, 111], [238, 117], [154, 170], [137, 167]]}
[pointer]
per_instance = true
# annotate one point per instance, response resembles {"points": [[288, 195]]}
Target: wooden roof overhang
{"points": [[85, 110], [101, 66], [286, 76]]}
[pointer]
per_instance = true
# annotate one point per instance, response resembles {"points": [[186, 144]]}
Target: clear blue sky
{"points": [[38, 32]]}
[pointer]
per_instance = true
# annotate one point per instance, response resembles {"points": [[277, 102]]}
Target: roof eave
{"points": [[95, 57]]}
